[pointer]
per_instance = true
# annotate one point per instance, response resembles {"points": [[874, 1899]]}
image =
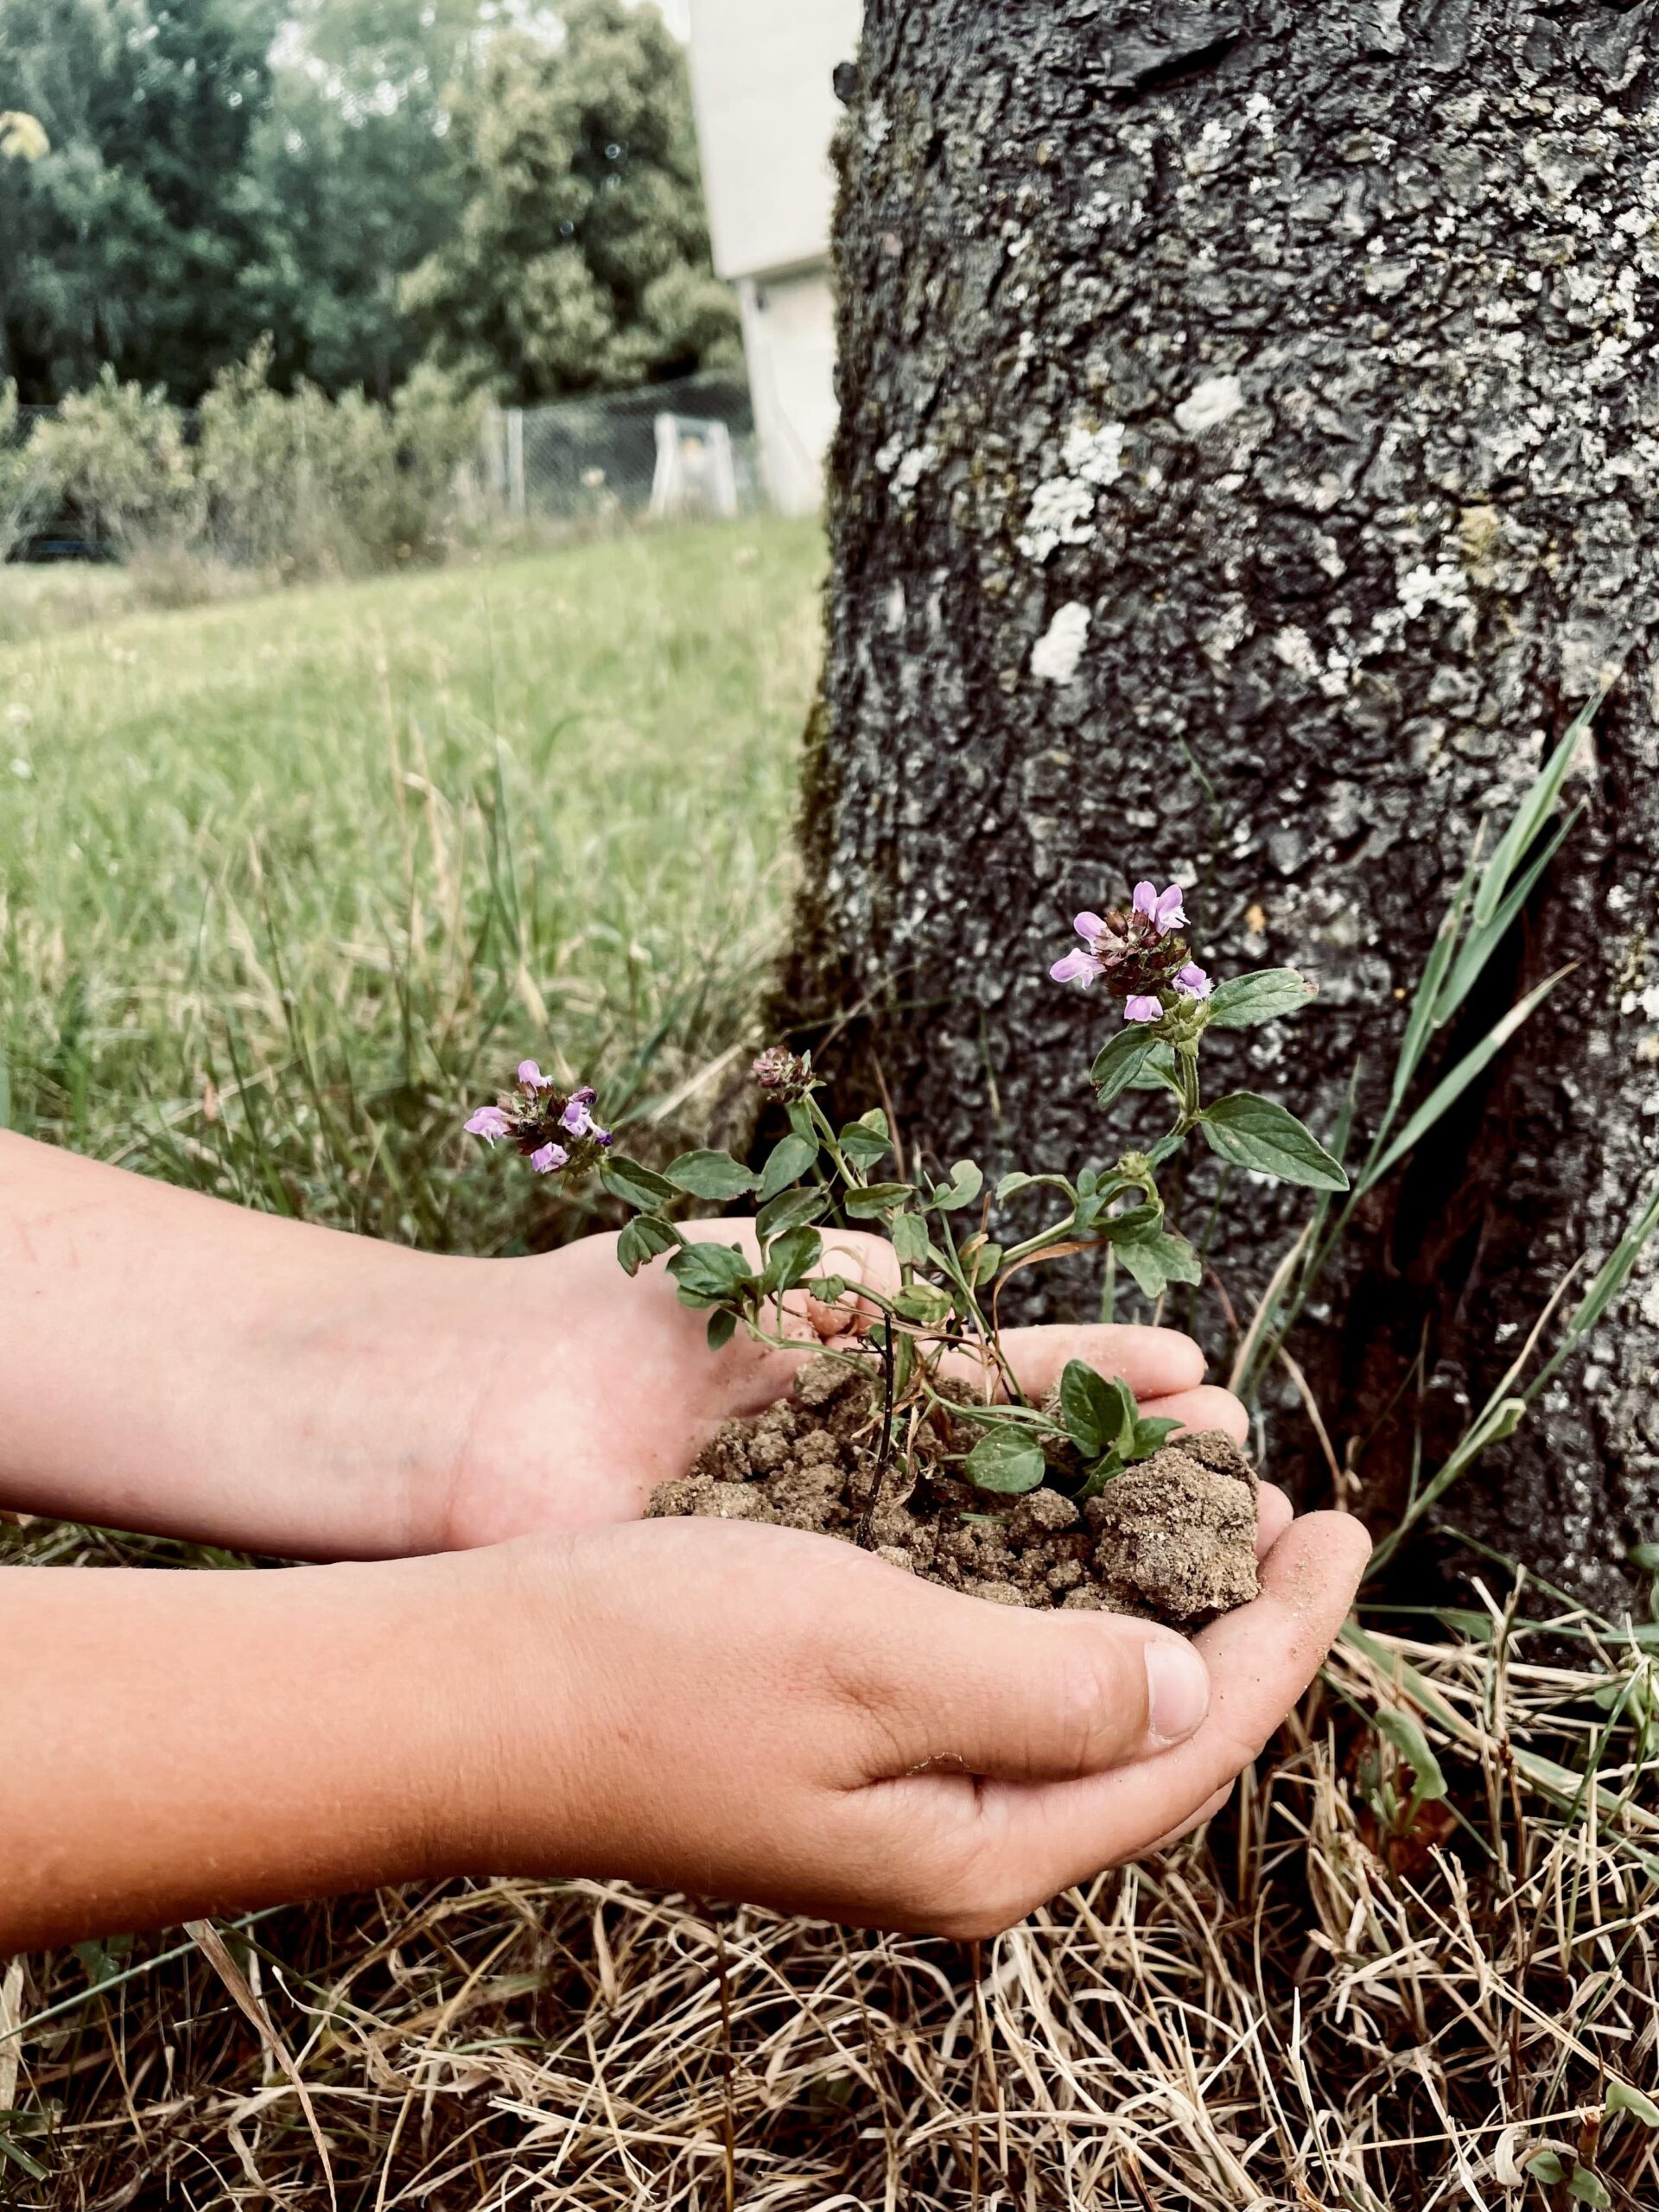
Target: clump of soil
{"points": [[1171, 1540]]}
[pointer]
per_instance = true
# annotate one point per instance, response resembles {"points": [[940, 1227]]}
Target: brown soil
{"points": [[1173, 1539]]}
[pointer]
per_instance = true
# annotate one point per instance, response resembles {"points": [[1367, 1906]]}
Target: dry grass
{"points": [[1298, 2009]]}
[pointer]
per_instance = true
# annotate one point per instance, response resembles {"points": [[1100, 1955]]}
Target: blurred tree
{"points": [[353, 180], [581, 258], [123, 242]]}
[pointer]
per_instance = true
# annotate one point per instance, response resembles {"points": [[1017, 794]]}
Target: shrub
{"points": [[116, 458]]}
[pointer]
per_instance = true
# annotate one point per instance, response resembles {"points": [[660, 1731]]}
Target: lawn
{"points": [[283, 882]]}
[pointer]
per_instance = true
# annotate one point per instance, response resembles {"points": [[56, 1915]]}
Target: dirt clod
{"points": [[1173, 1539]]}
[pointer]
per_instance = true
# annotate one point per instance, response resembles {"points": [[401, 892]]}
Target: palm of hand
{"points": [[591, 1388]]}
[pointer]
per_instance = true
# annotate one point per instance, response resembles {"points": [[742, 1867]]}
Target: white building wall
{"points": [[789, 337], [761, 77]]}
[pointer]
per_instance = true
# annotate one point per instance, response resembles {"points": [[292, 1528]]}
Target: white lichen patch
{"points": [[904, 469], [1421, 587], [1208, 403], [1055, 656], [1062, 513], [1097, 456], [1062, 510]]}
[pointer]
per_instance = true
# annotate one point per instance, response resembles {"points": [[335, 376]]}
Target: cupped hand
{"points": [[584, 1388], [752, 1713]]}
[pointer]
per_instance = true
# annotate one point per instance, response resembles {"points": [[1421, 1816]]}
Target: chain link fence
{"points": [[685, 448]]}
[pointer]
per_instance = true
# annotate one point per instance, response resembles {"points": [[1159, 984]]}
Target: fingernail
{"points": [[1177, 1691]]}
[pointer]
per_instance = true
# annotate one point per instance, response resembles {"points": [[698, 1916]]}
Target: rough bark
{"points": [[1249, 459]]}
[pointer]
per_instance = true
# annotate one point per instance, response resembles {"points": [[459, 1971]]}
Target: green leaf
{"points": [[1265, 994], [1587, 2186], [1255, 1132], [1006, 1462], [635, 1186], [1530, 815], [711, 1175], [1645, 1557], [866, 1139], [707, 1272], [1621, 2097], [924, 1302], [1452, 1087], [987, 1260], [1133, 1225], [787, 1161], [722, 1327], [966, 1182], [1010, 1184], [1402, 1730], [1119, 1061], [1098, 1415], [910, 1241], [1157, 1261], [875, 1199], [793, 1255], [790, 1209], [643, 1238], [1158, 1070], [1546, 2167], [1149, 1436]]}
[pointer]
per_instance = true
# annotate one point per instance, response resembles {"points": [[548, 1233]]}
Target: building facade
{"points": [[761, 76]]}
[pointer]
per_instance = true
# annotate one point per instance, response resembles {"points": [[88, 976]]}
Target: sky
{"points": [[677, 16]]}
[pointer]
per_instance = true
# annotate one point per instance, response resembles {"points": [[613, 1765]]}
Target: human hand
{"points": [[589, 1388], [749, 1712]]}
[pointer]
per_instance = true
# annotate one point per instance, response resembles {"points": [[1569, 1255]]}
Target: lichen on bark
{"points": [[1249, 459]]}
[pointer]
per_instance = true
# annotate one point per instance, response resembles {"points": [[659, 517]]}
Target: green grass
{"points": [[286, 881]]}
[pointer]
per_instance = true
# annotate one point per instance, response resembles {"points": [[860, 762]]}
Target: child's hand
{"points": [[709, 1706], [749, 1712], [588, 1388]]}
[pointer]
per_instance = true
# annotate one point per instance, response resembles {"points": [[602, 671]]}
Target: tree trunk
{"points": [[1247, 464]]}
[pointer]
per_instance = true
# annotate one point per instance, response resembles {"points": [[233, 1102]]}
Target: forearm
{"points": [[182, 1744], [173, 1363]]}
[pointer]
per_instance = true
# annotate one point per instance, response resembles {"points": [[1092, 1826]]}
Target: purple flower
{"points": [[577, 1118], [1089, 927], [547, 1158], [1141, 1009], [1163, 909], [1076, 967], [490, 1123], [532, 1078], [1193, 982]]}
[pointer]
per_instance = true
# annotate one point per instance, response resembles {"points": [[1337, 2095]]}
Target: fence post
{"points": [[517, 498]]}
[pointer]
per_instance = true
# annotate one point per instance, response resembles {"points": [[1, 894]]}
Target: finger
{"points": [[1154, 1362], [754, 1376], [970, 1689], [1207, 1811], [1274, 1515], [1197, 1410], [1261, 1659]]}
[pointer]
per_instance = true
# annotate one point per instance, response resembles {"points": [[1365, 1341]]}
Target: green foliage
{"points": [[295, 483], [1259, 1134], [126, 241], [1006, 1463], [384, 176], [580, 259], [115, 455], [1246, 1001]]}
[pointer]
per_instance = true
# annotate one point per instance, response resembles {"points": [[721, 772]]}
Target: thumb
{"points": [[956, 1683]]}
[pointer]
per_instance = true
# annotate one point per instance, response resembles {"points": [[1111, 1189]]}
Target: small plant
{"points": [[934, 1318], [952, 1255]]}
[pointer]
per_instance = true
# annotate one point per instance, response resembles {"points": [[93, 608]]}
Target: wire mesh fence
{"points": [[683, 449]]}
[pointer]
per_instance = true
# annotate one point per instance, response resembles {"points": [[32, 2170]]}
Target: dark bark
{"points": [[1357, 301]]}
